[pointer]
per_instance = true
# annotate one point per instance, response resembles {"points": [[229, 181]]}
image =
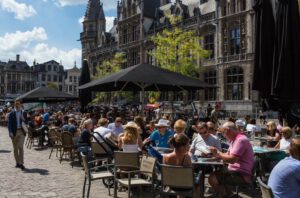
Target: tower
{"points": [[93, 27]]}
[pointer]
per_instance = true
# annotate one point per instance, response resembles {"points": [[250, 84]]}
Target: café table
{"points": [[203, 163]]}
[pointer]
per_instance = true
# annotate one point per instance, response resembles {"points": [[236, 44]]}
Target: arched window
{"points": [[210, 77], [234, 82]]}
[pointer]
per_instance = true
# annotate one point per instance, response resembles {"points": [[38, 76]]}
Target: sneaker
{"points": [[22, 166]]}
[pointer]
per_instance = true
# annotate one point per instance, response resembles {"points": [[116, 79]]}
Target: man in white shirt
{"points": [[203, 141], [117, 126]]}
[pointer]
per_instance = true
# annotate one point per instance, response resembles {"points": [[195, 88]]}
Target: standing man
{"points": [[17, 133]]}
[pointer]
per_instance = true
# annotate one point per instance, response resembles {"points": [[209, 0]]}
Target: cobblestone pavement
{"points": [[46, 177]]}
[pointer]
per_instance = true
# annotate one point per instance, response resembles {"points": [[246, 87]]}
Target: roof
{"points": [[94, 10], [150, 7]]}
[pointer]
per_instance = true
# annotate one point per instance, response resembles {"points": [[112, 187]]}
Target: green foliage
{"points": [[107, 67], [52, 86], [111, 66], [177, 49]]}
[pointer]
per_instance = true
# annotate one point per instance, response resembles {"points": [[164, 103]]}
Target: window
{"points": [[209, 44], [60, 78], [150, 59], [243, 5], [210, 77], [135, 58], [49, 67], [224, 10], [71, 78], [60, 87], [234, 83], [135, 33], [55, 78], [235, 41], [125, 38], [70, 88], [43, 77], [233, 7], [49, 78], [75, 79], [2, 80]]}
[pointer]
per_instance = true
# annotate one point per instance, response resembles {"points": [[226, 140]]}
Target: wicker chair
{"points": [[32, 136], [91, 176], [55, 140], [67, 145], [266, 191]]}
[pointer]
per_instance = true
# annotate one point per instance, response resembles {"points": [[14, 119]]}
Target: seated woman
{"points": [[86, 134], [285, 140], [273, 134], [130, 140], [179, 126], [180, 156]]}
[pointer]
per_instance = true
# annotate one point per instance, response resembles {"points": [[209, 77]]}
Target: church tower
{"points": [[93, 27]]}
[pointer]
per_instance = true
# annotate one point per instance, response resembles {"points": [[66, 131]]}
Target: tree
{"points": [[108, 67], [85, 96], [177, 49], [52, 85]]}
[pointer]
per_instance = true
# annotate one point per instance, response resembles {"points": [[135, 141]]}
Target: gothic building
{"points": [[226, 27]]}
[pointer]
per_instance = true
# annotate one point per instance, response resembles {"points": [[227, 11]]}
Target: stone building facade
{"points": [[72, 77], [50, 72], [226, 26], [16, 77]]}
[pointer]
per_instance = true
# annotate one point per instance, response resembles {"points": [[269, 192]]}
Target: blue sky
{"points": [[43, 30]]}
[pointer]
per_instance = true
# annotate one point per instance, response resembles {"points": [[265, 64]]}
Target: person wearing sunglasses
{"points": [[116, 127], [203, 141]]}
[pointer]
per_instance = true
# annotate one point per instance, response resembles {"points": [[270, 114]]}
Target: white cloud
{"points": [[109, 23], [42, 52], [107, 4], [17, 40], [28, 44], [21, 10], [80, 20]]}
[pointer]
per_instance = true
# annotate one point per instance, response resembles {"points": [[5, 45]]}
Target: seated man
{"points": [[240, 158], [104, 132], [203, 140], [162, 135], [71, 126], [285, 177]]}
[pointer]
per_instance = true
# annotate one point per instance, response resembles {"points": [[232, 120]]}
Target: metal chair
{"points": [[105, 173], [67, 145], [266, 191], [55, 140], [177, 180], [145, 176], [124, 162]]}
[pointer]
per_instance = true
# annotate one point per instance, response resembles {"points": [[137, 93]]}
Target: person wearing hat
{"points": [[162, 135], [130, 140]]}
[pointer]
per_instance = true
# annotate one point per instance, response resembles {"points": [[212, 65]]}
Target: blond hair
{"points": [[131, 135], [287, 131], [272, 125], [86, 123], [179, 126]]}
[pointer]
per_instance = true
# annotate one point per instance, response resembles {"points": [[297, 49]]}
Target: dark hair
{"points": [[179, 140], [252, 121]]}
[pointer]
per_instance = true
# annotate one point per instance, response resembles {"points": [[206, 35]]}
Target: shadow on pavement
{"points": [[37, 170], [5, 151]]}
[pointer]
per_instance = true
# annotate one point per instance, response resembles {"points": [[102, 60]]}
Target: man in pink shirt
{"points": [[240, 158]]}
